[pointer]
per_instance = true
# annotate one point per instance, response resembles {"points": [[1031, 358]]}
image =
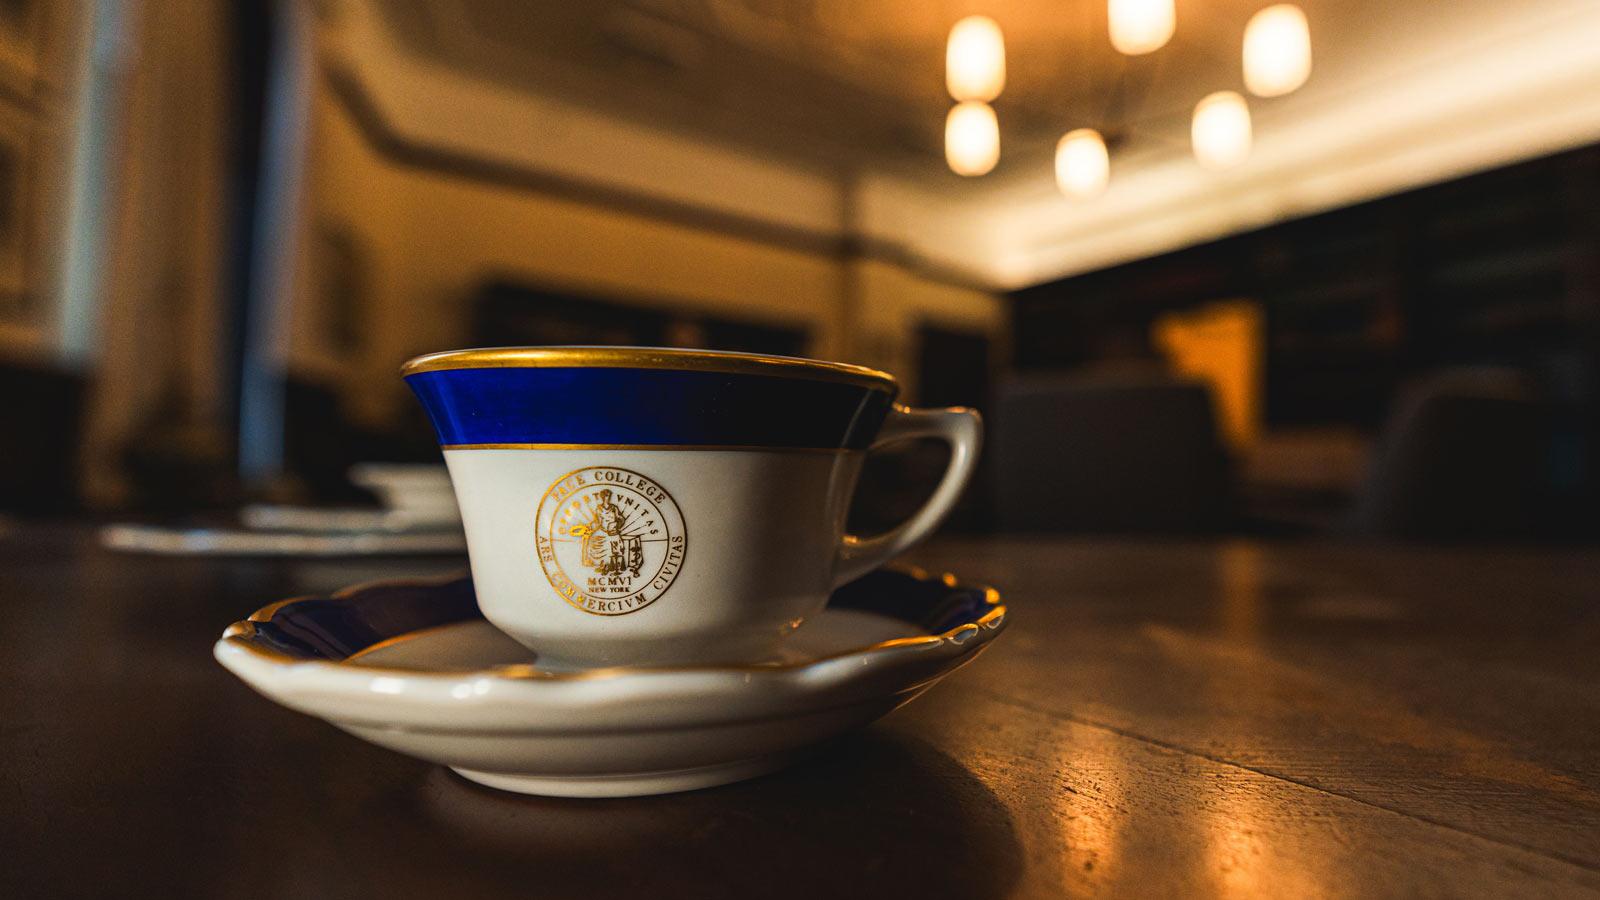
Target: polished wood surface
{"points": [[1162, 719]]}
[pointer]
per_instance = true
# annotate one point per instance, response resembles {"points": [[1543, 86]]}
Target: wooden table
{"points": [[1163, 719]]}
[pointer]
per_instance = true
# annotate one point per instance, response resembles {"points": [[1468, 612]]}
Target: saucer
{"points": [[339, 520], [414, 667], [420, 495], [206, 541]]}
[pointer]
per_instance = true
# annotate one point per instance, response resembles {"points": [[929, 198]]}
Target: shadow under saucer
{"points": [[871, 814]]}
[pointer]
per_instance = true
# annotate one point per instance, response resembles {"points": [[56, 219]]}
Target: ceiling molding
{"points": [[395, 148]]}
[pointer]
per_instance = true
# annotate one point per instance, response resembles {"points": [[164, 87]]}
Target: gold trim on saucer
{"points": [[241, 634], [651, 358], [265, 613]]}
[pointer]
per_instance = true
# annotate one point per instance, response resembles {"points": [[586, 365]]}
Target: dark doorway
{"points": [[953, 369]]}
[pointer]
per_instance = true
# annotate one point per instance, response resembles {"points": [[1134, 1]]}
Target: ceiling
{"points": [[776, 104], [846, 83]]}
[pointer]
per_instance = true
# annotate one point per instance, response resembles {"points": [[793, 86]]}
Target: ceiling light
{"points": [[975, 60], [1221, 130], [1277, 50], [1141, 26], [971, 138], [1082, 165]]}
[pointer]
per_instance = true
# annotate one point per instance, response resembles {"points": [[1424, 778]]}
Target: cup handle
{"points": [[957, 426]]}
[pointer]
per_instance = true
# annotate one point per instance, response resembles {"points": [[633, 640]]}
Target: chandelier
{"points": [[1276, 60]]}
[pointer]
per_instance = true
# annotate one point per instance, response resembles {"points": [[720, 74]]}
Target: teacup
{"points": [[643, 506]]}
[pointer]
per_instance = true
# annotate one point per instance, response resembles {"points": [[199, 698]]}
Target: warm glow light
{"points": [[1220, 344], [1141, 26], [971, 138], [1221, 130], [1277, 51], [1082, 165], [975, 60]]}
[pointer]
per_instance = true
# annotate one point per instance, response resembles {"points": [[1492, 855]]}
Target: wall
{"points": [[894, 300], [430, 236], [161, 333], [115, 115], [38, 84]]}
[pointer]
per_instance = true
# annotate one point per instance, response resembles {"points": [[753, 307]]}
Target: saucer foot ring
{"points": [[638, 784]]}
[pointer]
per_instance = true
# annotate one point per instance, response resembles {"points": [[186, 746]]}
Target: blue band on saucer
{"points": [[590, 405], [336, 628]]}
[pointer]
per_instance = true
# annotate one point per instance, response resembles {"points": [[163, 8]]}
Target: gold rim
{"points": [[650, 358], [755, 448], [242, 634]]}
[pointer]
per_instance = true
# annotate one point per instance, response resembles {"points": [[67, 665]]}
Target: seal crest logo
{"points": [[611, 541]]}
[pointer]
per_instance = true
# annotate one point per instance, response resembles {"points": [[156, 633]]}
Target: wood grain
{"points": [[1456, 687], [1163, 719]]}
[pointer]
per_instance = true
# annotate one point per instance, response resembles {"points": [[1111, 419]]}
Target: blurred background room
{"points": [[1283, 319], [1320, 269]]}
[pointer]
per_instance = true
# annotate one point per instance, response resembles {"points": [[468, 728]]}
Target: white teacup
{"points": [[644, 506]]}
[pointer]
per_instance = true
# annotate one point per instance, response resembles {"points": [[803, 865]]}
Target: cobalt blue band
{"points": [[331, 628], [590, 405]]}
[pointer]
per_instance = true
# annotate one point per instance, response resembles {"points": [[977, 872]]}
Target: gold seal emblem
{"points": [[611, 541]]}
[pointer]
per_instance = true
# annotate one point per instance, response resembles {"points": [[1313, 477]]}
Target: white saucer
{"points": [[338, 520], [415, 668], [159, 539]]}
